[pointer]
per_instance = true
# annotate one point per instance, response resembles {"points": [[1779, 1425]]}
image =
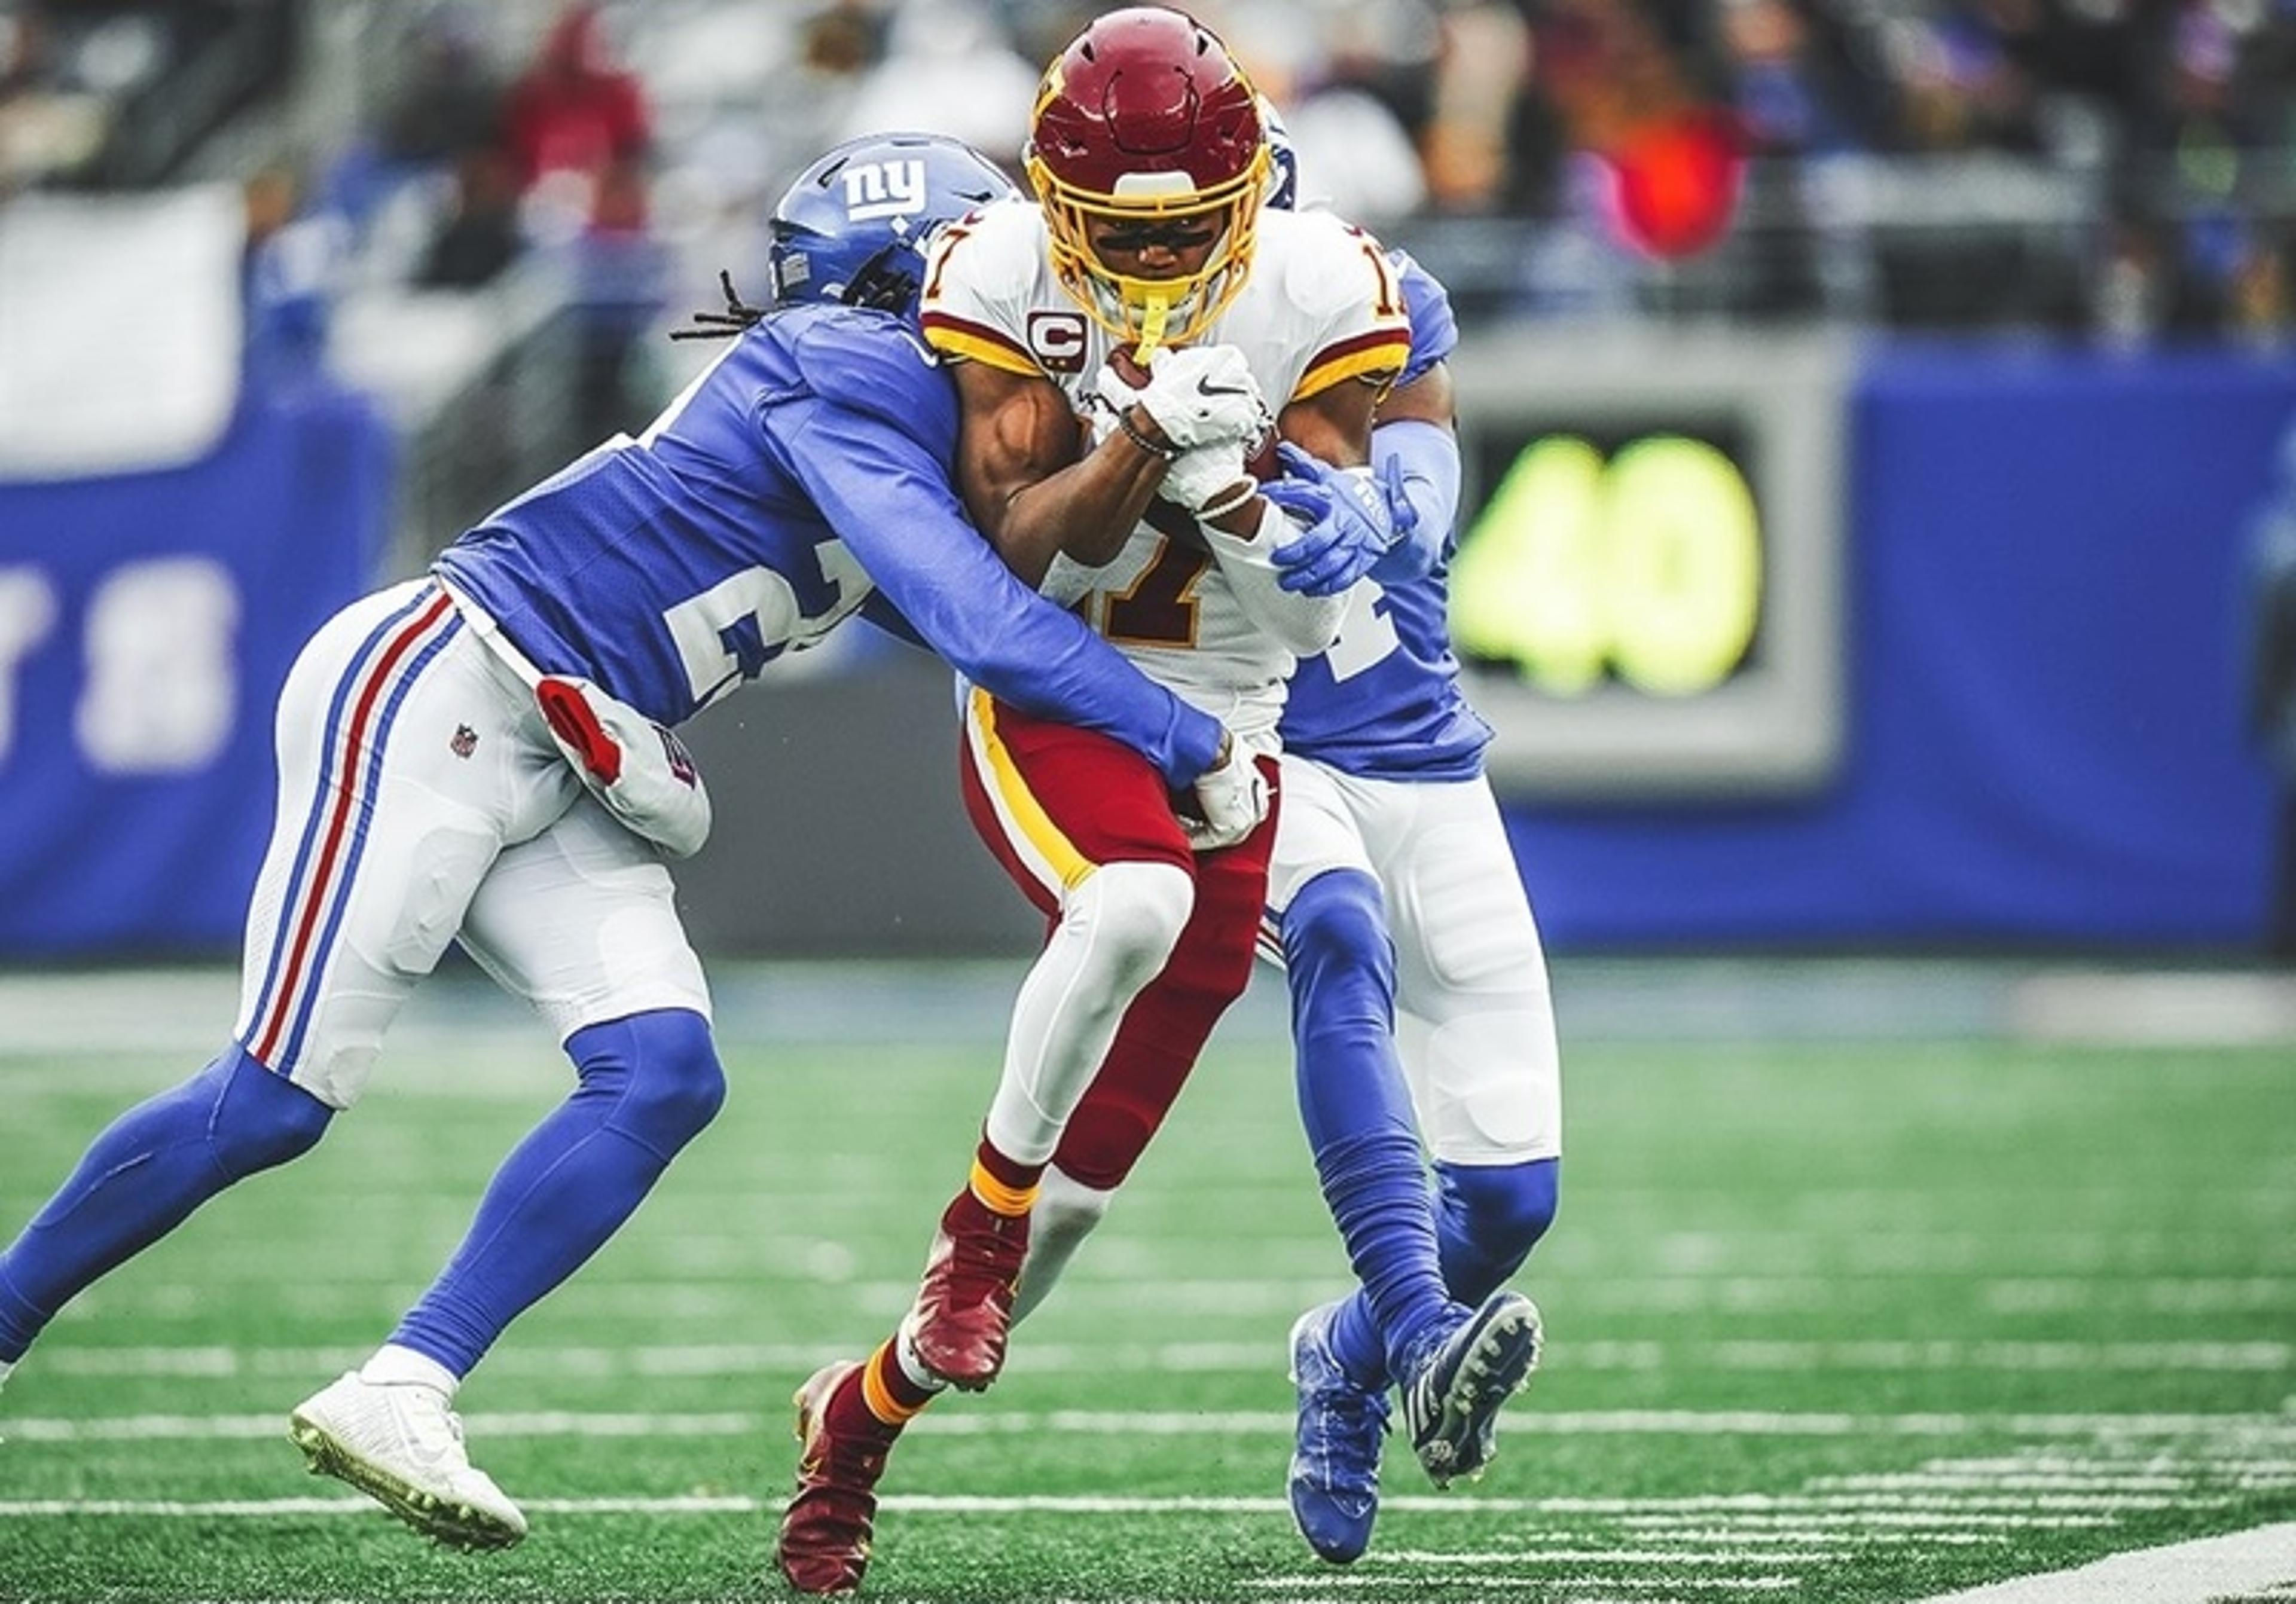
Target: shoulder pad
{"points": [[1434, 329], [1328, 265], [979, 282], [872, 362]]}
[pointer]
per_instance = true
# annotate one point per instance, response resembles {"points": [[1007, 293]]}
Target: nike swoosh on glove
{"points": [[1197, 396]]}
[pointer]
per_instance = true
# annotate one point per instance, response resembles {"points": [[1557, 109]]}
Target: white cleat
{"points": [[399, 1444]]}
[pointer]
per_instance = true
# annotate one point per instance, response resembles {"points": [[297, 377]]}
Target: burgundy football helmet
{"points": [[1146, 118]]}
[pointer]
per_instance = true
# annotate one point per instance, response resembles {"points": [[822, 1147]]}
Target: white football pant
{"points": [[422, 798], [1474, 1018]]}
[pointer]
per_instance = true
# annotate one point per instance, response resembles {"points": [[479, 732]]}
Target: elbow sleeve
{"points": [[1428, 456], [1305, 625]]}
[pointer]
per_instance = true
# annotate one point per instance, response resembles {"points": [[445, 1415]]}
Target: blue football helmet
{"points": [[1283, 191], [855, 224]]}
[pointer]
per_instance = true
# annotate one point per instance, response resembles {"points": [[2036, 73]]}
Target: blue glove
{"points": [[1355, 517]]}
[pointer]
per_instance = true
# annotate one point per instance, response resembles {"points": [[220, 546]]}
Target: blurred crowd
{"points": [[2120, 168]]}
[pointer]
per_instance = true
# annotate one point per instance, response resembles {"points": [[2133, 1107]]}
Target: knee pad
{"points": [[1133, 912], [1339, 963], [1339, 922], [672, 1085], [259, 1120], [1503, 1208]]}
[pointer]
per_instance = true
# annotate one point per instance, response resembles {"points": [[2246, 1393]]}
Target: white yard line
{"points": [[1918, 1522], [1310, 1584], [1629, 1511], [2181, 1572], [2273, 1431], [1212, 1358], [923, 1503]]}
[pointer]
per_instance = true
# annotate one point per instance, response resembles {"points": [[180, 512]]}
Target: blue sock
{"points": [[1357, 1112], [1488, 1217], [144, 1176], [649, 1083]]}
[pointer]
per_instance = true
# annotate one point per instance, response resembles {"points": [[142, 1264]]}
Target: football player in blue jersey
{"points": [[484, 754], [1420, 1003]]}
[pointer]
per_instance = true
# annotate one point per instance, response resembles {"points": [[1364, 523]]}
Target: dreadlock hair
{"points": [[738, 317]]}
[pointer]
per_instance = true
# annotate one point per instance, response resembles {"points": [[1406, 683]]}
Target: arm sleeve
{"points": [[1429, 456], [1434, 329], [890, 501], [1306, 625]]}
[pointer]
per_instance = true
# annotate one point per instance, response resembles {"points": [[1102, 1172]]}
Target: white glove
{"points": [[641, 771], [1197, 395], [1234, 795], [1204, 474]]}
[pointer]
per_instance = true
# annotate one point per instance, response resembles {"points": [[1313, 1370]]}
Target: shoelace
{"points": [[1348, 1411]]}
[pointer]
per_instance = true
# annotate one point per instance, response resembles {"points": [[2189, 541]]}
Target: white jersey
{"points": [[1320, 308]]}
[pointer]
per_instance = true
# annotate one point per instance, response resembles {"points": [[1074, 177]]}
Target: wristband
{"points": [[1163, 453], [1221, 507]]}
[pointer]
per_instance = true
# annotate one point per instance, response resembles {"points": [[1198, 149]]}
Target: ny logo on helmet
{"points": [[883, 189]]}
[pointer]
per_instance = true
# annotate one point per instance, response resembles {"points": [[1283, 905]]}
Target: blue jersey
{"points": [[808, 465], [1384, 702]]}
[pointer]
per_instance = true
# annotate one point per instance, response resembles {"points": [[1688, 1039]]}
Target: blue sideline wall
{"points": [[2044, 741], [146, 623]]}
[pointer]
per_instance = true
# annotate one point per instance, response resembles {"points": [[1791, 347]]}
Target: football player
{"points": [[1420, 1002], [1146, 295], [485, 754]]}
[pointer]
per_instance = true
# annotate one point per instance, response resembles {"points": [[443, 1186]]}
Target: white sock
{"points": [[913, 1369], [1117, 929], [393, 1365], [1066, 1210]]}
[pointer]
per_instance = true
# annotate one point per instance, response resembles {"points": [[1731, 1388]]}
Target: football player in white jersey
{"points": [[1114, 342]]}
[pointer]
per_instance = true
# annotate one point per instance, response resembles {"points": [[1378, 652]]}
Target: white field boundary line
{"points": [[703, 1361], [2180, 1573], [775, 1262], [2261, 1431], [1583, 1589], [917, 1503], [1632, 1513]]}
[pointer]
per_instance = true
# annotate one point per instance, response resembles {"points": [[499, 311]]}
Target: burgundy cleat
{"points": [[964, 1304], [825, 1531]]}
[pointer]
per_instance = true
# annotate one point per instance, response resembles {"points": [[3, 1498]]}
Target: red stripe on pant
{"points": [[1114, 807], [349, 781]]}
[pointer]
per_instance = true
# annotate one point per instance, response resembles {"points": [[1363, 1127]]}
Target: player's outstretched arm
{"points": [[890, 502]]}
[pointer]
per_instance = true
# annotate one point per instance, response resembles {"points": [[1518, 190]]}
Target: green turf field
{"points": [[1829, 1321]]}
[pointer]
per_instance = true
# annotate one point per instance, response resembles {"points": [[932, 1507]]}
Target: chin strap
{"points": [[1152, 323]]}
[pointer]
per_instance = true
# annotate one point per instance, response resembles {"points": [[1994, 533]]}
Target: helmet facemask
{"points": [[1142, 311]]}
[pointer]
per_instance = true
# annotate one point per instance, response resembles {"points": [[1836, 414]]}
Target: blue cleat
{"points": [[1451, 1401], [1334, 1481]]}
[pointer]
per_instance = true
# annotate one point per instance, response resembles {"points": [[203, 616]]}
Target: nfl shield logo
{"points": [[464, 742]]}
